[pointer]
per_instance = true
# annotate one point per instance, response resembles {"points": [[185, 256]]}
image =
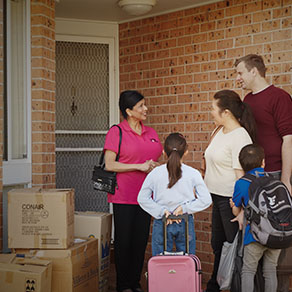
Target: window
{"points": [[17, 157]]}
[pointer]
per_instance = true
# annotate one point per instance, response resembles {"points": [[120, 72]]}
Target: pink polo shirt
{"points": [[134, 149]]}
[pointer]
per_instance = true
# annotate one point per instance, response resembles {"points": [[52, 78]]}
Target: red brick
{"points": [[243, 19], [271, 4], [262, 38], [231, 11], [282, 12], [252, 7], [256, 49], [251, 29], [224, 23], [261, 16], [271, 25]]}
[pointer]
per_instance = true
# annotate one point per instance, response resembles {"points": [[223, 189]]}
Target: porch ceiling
{"points": [[108, 10]]}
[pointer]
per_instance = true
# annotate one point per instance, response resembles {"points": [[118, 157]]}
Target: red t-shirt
{"points": [[272, 109], [134, 149]]}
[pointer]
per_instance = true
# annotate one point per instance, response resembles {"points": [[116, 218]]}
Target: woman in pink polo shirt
{"points": [[140, 150]]}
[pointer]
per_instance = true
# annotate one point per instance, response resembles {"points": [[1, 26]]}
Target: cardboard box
{"points": [[40, 218], [22, 274], [98, 225], [74, 269]]}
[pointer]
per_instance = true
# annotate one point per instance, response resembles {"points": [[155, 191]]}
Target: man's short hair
{"points": [[253, 61], [251, 156]]}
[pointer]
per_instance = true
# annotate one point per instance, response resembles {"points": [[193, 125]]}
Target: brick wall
{"points": [[43, 92], [1, 119], [179, 60]]}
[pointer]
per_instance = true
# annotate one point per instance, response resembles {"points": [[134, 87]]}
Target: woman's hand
{"points": [[148, 166], [112, 165]]}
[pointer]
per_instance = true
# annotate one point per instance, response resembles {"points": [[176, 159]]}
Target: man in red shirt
{"points": [[272, 110]]}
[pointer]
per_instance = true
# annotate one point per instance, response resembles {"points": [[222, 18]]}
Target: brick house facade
{"points": [[179, 60]]}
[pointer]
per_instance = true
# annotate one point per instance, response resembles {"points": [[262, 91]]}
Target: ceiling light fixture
{"points": [[137, 7]]}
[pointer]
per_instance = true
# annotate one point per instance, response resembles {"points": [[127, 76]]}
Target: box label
{"points": [[30, 285]]}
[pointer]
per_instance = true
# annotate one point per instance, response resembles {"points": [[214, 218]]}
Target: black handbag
{"points": [[104, 180]]}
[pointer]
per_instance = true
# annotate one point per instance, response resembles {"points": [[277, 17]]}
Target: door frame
{"points": [[113, 103], [77, 30]]}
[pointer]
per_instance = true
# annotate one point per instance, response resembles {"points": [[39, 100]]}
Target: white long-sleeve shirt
{"points": [[155, 197]]}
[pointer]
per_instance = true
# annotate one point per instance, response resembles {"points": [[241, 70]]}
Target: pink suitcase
{"points": [[173, 272]]}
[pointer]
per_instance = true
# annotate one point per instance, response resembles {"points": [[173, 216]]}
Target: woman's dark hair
{"points": [[230, 100], [175, 146], [251, 156], [128, 99]]}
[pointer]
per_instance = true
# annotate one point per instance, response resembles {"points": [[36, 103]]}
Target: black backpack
{"points": [[269, 211]]}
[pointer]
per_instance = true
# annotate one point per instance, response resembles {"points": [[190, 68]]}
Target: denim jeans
{"points": [[175, 234], [252, 254], [222, 230]]}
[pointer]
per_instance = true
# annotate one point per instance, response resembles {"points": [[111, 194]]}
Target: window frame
{"points": [[17, 171]]}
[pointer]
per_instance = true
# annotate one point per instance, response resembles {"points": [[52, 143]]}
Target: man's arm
{"points": [[287, 161]]}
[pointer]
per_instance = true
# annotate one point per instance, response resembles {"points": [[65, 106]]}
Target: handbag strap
{"points": [[120, 142], [213, 134]]}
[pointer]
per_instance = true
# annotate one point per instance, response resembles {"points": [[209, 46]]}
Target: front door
{"points": [[82, 117]]}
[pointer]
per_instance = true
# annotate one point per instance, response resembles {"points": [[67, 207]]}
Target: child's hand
{"points": [[167, 213], [178, 211], [239, 219], [231, 203]]}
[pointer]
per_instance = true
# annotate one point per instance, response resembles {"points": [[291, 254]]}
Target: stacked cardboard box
{"points": [[41, 227], [40, 218], [24, 274], [97, 225], [74, 269]]}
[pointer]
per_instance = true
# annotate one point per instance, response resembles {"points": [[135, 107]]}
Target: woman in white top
{"points": [[223, 167]]}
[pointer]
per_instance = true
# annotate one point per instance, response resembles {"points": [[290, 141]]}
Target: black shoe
{"points": [[138, 290]]}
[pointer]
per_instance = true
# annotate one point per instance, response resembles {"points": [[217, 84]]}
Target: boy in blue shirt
{"points": [[251, 158]]}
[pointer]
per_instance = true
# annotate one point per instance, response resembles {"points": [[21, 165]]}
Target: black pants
{"points": [[131, 236], [222, 230]]}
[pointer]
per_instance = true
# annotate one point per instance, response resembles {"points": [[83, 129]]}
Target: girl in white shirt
{"points": [[173, 188]]}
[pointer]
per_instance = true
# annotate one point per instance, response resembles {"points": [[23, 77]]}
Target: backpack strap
{"points": [[249, 177]]}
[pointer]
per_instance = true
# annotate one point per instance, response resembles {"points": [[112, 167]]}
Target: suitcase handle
{"points": [[185, 217]]}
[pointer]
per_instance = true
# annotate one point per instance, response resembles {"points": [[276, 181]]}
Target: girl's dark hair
{"points": [[230, 100], [128, 99], [251, 156], [175, 146]]}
